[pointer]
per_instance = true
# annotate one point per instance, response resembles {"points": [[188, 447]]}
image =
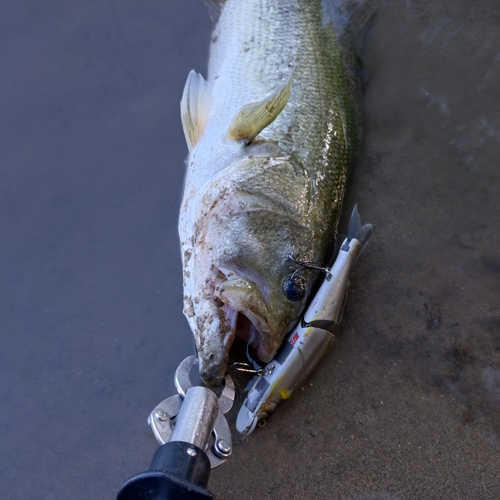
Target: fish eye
{"points": [[294, 288]]}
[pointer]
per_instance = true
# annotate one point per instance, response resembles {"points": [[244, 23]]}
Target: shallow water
{"points": [[91, 148]]}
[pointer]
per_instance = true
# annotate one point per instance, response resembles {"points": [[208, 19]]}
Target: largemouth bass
{"points": [[272, 134]]}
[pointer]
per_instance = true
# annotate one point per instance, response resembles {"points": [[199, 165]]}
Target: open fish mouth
{"points": [[246, 331], [231, 306], [254, 321]]}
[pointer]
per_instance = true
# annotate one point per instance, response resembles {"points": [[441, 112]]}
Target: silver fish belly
{"points": [[272, 134]]}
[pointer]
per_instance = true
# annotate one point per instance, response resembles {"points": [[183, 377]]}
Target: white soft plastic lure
{"points": [[272, 134]]}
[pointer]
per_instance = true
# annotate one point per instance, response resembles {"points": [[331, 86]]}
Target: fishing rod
{"points": [[191, 427]]}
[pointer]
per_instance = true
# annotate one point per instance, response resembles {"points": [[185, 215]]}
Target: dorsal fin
{"points": [[195, 105], [256, 116]]}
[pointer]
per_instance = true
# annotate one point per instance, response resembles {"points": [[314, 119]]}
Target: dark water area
{"points": [[91, 167]]}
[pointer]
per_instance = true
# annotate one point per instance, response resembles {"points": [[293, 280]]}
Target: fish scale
{"points": [[249, 204]]}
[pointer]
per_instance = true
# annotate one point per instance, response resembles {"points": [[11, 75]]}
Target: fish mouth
{"points": [[232, 307], [254, 322], [246, 331], [214, 358]]}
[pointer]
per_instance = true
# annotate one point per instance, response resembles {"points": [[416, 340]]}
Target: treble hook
{"points": [[307, 264], [246, 368]]}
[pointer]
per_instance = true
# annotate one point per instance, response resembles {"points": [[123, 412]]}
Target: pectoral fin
{"points": [[195, 106], [254, 117]]}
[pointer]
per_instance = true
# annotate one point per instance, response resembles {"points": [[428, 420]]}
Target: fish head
{"points": [[238, 234]]}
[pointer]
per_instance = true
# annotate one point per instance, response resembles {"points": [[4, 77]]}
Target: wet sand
{"points": [[406, 406]]}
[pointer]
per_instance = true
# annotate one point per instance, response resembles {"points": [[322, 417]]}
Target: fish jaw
{"points": [[215, 332], [213, 324]]}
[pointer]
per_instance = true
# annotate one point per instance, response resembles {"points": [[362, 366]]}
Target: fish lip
{"points": [[212, 367], [213, 374], [214, 340]]}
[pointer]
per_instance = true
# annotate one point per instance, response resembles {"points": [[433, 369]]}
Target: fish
{"points": [[272, 133]]}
